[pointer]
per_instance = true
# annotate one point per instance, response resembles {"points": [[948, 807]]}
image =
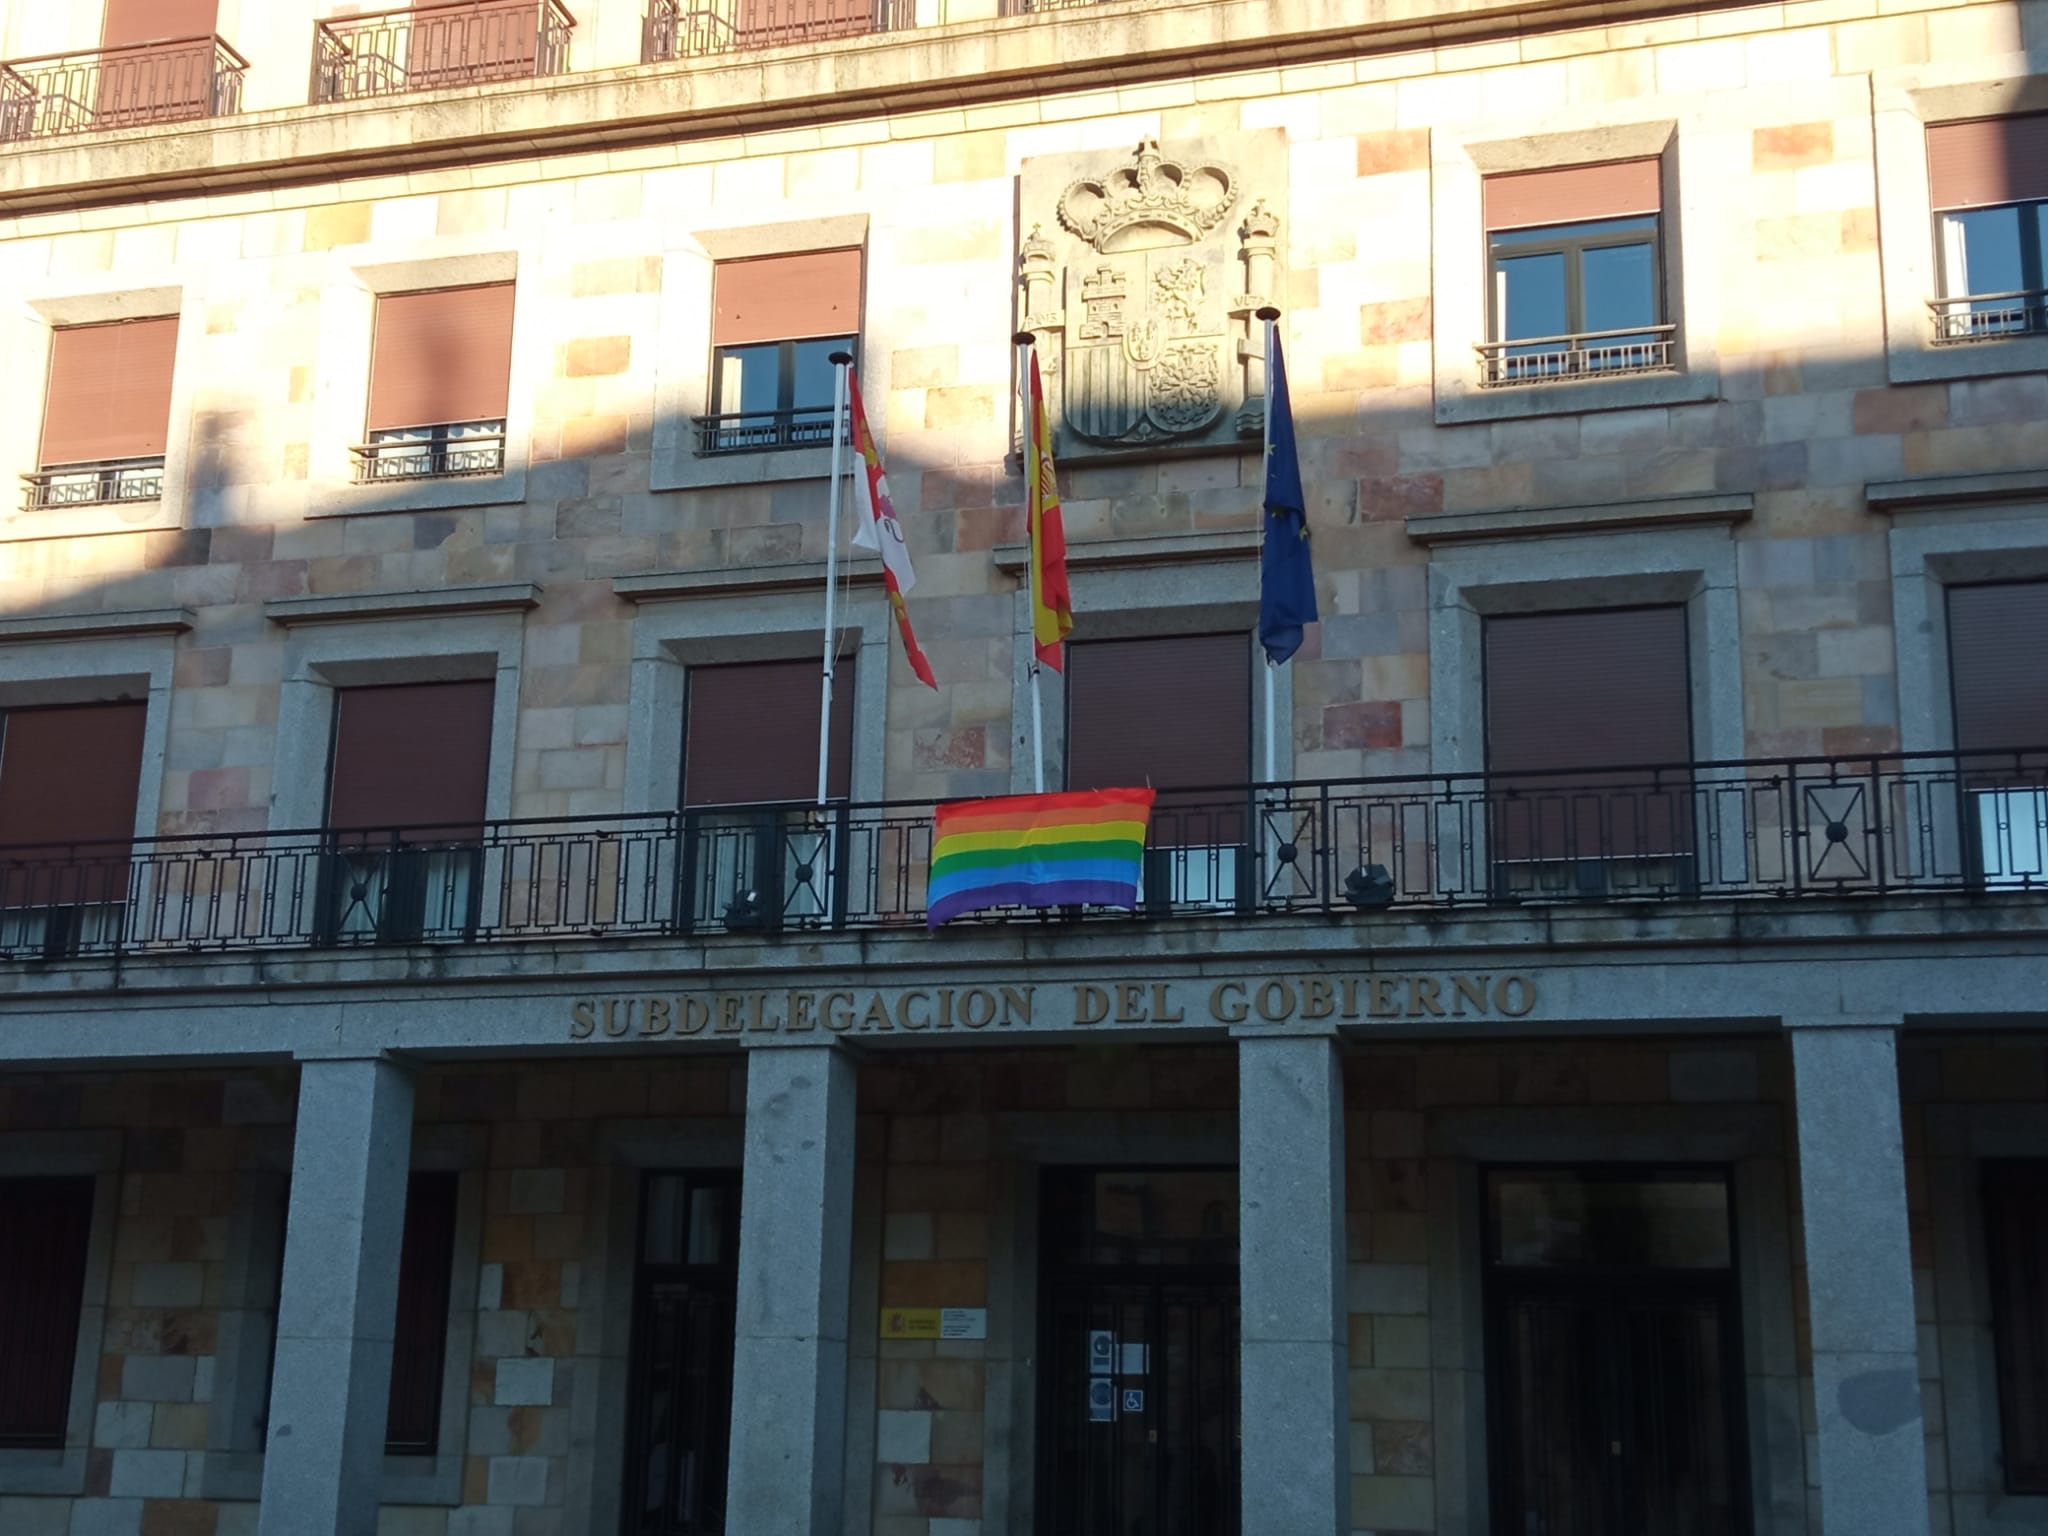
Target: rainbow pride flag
{"points": [[1039, 851]]}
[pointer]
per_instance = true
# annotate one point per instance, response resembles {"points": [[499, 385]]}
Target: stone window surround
{"points": [[97, 669], [1904, 102], [1748, 1140], [683, 353], [1459, 162], [32, 1154], [342, 653], [354, 277], [602, 1404], [1695, 566], [1959, 1137], [1131, 589], [1929, 553], [1021, 1146], [233, 1467], [24, 386], [760, 613]]}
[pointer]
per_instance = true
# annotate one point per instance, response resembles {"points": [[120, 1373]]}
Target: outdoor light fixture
{"points": [[1369, 887]]}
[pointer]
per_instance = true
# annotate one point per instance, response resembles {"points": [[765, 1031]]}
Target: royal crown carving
{"points": [[1152, 201]]}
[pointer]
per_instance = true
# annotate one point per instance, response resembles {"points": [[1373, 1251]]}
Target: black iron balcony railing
{"points": [[1990, 316], [1588, 355], [688, 29], [107, 88], [754, 431], [1834, 828], [93, 485], [434, 47], [430, 453]]}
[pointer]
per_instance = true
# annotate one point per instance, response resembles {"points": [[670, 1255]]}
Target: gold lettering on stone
{"points": [[654, 1018], [696, 1015], [1164, 1012], [1091, 1005], [978, 1008], [877, 1016], [1422, 997], [1319, 998], [1130, 1003], [839, 1011], [728, 1014], [1509, 991], [1276, 1002], [1472, 988], [1380, 990], [802, 1011], [904, 1016], [1017, 1006], [582, 1019], [612, 1024], [1233, 1012]]}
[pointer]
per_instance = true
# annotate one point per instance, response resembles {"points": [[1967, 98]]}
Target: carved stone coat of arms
{"points": [[1140, 274]]}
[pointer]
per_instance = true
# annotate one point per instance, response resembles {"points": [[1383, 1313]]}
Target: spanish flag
{"points": [[1052, 605]]}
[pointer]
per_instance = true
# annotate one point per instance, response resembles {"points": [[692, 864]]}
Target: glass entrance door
{"points": [[1615, 1368], [1138, 1381], [683, 1323]]}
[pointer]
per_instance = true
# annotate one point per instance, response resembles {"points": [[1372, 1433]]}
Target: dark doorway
{"points": [[1614, 1372], [686, 1287], [1138, 1384]]}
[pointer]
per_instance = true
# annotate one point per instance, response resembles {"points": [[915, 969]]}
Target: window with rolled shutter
{"points": [[2016, 1250], [69, 779], [1573, 194], [441, 357], [1173, 714], [159, 62], [1997, 637], [109, 392], [1987, 181], [750, 733], [412, 755], [419, 1346], [42, 1294], [1605, 696], [466, 44], [776, 322]]}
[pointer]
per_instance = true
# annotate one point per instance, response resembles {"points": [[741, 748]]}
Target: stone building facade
{"points": [[1670, 1165]]}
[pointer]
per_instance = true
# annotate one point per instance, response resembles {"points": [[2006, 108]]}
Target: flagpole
{"points": [[1028, 455], [1270, 316], [840, 362]]}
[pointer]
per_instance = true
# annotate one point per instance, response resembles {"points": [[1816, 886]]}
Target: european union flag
{"points": [[1287, 577]]}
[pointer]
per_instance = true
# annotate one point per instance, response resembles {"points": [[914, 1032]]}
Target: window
{"points": [[1988, 184], [1576, 274], [776, 322], [159, 64], [2016, 1249], [406, 799], [1995, 637], [440, 371], [42, 1294], [1588, 752], [437, 45], [106, 414], [69, 777], [1173, 714], [426, 1261], [750, 761]]}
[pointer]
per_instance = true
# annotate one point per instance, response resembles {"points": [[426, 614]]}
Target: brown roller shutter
{"points": [[1534, 199], [1595, 692], [42, 1291], [466, 43], [752, 733], [1169, 714], [419, 1345], [414, 755], [787, 298], [109, 393], [441, 356], [1997, 639], [2016, 1247], [1991, 160], [154, 21], [68, 783]]}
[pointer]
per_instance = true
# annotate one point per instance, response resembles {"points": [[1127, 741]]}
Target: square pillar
{"points": [[323, 1469], [1294, 1399], [1859, 1282], [796, 1236]]}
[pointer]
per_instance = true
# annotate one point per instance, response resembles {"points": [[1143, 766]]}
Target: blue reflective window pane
{"points": [[748, 378], [1619, 287], [814, 371], [1532, 296], [1980, 251]]}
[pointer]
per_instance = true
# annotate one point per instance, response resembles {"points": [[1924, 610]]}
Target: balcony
{"points": [[109, 88], [760, 431], [1989, 316], [1588, 355], [430, 453], [690, 29], [434, 47], [94, 485], [1774, 831]]}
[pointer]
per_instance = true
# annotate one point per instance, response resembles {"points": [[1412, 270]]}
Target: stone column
{"points": [[1293, 1395], [1859, 1282], [323, 1469], [796, 1227]]}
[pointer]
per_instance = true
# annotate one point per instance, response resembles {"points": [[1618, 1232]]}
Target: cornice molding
{"points": [[352, 607], [737, 580], [1152, 549], [1603, 517], [1936, 492], [87, 626]]}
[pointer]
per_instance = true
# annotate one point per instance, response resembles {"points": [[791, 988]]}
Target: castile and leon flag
{"points": [[876, 528]]}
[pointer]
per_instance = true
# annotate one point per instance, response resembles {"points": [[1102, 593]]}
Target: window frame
{"points": [[782, 428], [1574, 249], [2032, 294]]}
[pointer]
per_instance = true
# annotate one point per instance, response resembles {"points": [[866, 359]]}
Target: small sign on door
{"points": [[1101, 1352], [1134, 1399], [1101, 1400], [1132, 1362]]}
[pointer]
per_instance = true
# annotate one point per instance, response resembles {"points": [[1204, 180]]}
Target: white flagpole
{"points": [[1029, 456], [1269, 315], [840, 362]]}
